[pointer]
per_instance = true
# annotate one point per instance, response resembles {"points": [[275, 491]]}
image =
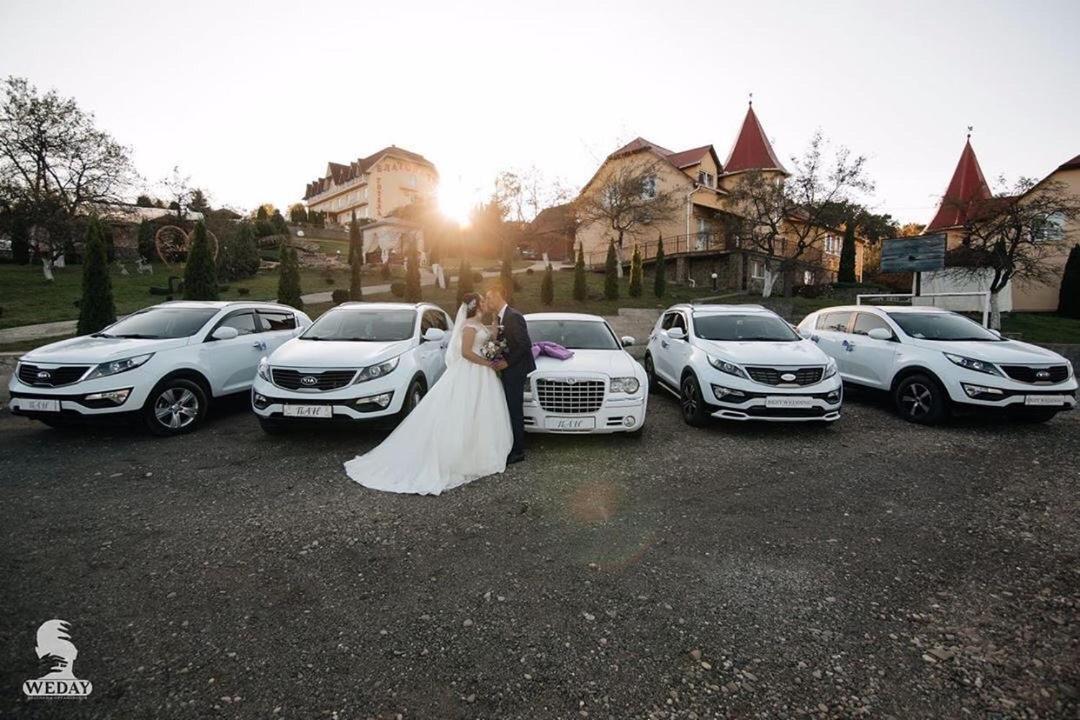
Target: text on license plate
{"points": [[789, 402], [39, 405], [569, 424], [1044, 400], [309, 411]]}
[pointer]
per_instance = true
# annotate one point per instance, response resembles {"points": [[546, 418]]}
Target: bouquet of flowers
{"points": [[494, 349]]}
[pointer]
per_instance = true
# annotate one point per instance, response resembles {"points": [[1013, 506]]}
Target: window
{"points": [[648, 187], [433, 319], [243, 322], [833, 244], [163, 322], [574, 334], [942, 326], [1051, 228], [705, 178], [865, 322], [672, 320], [361, 325], [808, 277], [834, 321], [273, 320], [757, 270], [759, 327]]}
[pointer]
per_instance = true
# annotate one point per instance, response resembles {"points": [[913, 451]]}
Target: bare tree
{"points": [[786, 219], [177, 187], [627, 200], [1020, 234], [524, 193]]}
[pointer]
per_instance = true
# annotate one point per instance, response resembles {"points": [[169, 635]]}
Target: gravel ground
{"points": [[870, 568]]}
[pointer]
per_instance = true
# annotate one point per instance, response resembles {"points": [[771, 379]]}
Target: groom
{"points": [[514, 366]]}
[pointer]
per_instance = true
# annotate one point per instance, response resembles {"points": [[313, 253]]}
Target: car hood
{"points": [[335, 354], [802, 352], [88, 350], [1008, 352], [614, 363]]}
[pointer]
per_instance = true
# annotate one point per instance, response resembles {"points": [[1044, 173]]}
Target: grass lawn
{"points": [[1040, 327]]}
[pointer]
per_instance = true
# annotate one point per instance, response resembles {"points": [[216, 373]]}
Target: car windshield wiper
{"points": [[104, 335], [137, 336]]}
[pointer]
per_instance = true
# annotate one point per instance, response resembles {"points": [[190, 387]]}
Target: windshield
{"points": [[744, 328], [156, 323], [941, 326], [574, 334], [363, 326]]}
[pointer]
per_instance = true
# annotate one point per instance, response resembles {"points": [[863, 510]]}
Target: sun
{"points": [[455, 201]]}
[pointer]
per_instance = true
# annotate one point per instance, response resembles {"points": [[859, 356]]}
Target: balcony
{"points": [[699, 243]]}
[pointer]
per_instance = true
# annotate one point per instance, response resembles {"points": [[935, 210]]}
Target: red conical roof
{"points": [[752, 150], [968, 186]]}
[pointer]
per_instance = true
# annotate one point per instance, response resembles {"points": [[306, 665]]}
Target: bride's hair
{"points": [[471, 301]]}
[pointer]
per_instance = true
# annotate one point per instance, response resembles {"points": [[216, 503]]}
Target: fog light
{"points": [[629, 421], [721, 392], [259, 401], [975, 391], [833, 397], [382, 399], [116, 397]]}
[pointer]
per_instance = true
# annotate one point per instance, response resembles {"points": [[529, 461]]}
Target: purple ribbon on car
{"points": [[551, 349]]}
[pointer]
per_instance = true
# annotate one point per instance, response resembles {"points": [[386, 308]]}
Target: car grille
{"points": [[1027, 374], [771, 376], [30, 375], [325, 380], [570, 395]]}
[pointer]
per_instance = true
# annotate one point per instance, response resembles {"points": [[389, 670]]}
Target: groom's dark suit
{"points": [[520, 363]]}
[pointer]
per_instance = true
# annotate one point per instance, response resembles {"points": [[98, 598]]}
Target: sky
{"points": [[251, 99]]}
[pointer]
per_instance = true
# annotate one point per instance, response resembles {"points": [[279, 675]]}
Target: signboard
{"points": [[924, 253]]}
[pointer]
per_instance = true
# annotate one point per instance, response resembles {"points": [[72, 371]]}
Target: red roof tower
{"points": [[752, 150], [967, 187]]}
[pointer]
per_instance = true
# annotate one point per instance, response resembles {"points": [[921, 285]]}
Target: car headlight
{"points": [[114, 367], [627, 385], [725, 367], [973, 364], [264, 369], [377, 371], [830, 369]]}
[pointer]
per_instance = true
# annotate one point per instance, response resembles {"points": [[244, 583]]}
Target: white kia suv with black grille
{"points": [[358, 361], [165, 364], [740, 362], [601, 389], [931, 360]]}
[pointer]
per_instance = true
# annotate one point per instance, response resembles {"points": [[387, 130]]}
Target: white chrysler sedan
{"points": [[164, 364], [358, 361], [599, 390], [930, 360], [741, 362]]}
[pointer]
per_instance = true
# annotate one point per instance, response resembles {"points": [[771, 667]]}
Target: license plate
{"points": [[789, 402], [38, 405], [569, 424], [309, 411], [1044, 400]]}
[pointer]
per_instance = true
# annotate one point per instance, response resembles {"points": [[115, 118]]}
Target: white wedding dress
{"points": [[460, 430]]}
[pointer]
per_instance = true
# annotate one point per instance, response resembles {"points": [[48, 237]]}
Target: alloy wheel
{"points": [[689, 399], [917, 400], [176, 408]]}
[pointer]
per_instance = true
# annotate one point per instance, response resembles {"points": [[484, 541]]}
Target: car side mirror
{"points": [[879, 334], [995, 332], [434, 335], [805, 333], [627, 341], [225, 333], [676, 334]]}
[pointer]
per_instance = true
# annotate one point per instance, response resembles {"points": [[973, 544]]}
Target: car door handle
{"points": [[663, 343], [849, 346], [259, 345]]}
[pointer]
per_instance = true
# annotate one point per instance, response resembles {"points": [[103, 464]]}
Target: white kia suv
{"points": [[601, 389], [165, 364], [740, 362], [358, 361], [930, 359]]}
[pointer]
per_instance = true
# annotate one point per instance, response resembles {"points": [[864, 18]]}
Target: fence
{"points": [[699, 242]]}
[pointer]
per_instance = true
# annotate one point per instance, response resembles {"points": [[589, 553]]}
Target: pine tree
{"points": [[412, 271], [581, 287], [146, 241], [660, 279], [846, 273], [547, 286], [289, 277], [636, 272], [611, 274], [200, 273], [1069, 294], [465, 284], [506, 272], [356, 261], [96, 309], [242, 255]]}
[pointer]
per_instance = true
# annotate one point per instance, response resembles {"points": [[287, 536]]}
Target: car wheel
{"points": [[1034, 415], [694, 411], [175, 407], [650, 374], [919, 399], [413, 396]]}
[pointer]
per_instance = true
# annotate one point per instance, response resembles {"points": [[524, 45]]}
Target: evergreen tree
{"points": [[581, 286], [356, 261], [660, 279], [465, 284], [146, 240], [636, 272], [547, 286], [611, 273], [200, 274], [278, 223], [1069, 294], [846, 273], [241, 253], [506, 272], [96, 309], [298, 214], [412, 271], [289, 277]]}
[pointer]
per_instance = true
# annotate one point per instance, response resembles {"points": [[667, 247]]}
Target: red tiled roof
{"points": [[1073, 164], [638, 144], [967, 188], [752, 150], [686, 158], [338, 173]]}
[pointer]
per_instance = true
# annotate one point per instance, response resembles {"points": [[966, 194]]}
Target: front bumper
{"points": [[990, 391], [615, 415], [353, 402], [747, 400], [78, 399]]}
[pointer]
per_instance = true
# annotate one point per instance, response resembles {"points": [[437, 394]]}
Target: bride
{"points": [[459, 432]]}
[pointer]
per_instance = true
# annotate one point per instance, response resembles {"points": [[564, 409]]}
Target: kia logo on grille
{"points": [[788, 377], [1042, 374], [571, 381], [308, 380], [44, 375]]}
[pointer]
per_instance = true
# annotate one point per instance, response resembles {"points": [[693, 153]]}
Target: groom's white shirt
{"points": [[501, 313]]}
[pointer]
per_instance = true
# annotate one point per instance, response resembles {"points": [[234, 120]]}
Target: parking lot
{"points": [[871, 567]]}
